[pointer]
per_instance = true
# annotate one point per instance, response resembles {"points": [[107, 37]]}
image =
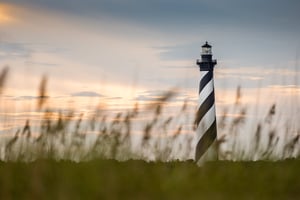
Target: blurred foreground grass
{"points": [[110, 179]]}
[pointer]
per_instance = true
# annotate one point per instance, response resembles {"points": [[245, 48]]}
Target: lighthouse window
{"points": [[206, 50]]}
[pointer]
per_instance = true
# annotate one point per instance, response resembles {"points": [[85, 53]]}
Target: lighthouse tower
{"points": [[205, 121]]}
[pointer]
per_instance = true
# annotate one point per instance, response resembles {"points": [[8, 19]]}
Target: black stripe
{"points": [[205, 80], [204, 107], [206, 140]]}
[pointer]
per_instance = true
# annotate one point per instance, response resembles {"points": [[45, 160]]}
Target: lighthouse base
{"points": [[210, 155]]}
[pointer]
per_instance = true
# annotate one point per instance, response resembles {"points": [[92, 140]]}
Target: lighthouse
{"points": [[205, 121]]}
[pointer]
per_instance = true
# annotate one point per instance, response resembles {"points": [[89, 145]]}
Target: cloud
{"points": [[24, 98], [287, 89], [86, 94], [47, 64], [14, 50], [147, 98], [188, 13], [156, 95], [113, 98], [188, 51]]}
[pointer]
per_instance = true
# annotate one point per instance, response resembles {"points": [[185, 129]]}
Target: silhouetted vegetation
{"points": [[64, 137]]}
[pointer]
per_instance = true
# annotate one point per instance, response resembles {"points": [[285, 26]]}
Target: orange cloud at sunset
{"points": [[6, 14]]}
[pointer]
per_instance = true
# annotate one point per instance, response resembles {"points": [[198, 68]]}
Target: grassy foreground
{"points": [[109, 179]]}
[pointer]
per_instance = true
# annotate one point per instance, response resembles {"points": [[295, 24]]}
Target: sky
{"points": [[126, 50]]}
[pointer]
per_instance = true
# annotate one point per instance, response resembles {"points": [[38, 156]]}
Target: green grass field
{"points": [[109, 179]]}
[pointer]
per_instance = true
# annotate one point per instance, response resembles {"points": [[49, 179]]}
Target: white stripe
{"points": [[207, 120], [202, 74], [206, 92]]}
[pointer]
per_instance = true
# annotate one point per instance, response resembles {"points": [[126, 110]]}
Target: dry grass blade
{"points": [[184, 106], [42, 93], [257, 137], [147, 133], [162, 99], [3, 77], [221, 140], [167, 95], [271, 113], [26, 130], [240, 118], [222, 121], [177, 132], [238, 95]]}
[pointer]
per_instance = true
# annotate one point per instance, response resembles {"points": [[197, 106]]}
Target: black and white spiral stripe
{"points": [[206, 115]]}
